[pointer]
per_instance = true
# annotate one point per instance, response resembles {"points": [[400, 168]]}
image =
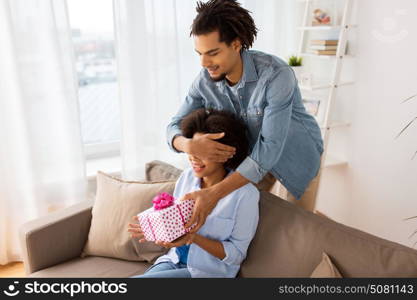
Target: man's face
{"points": [[218, 58]]}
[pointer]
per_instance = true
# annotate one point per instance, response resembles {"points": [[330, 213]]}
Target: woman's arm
{"points": [[213, 247], [206, 199], [233, 249], [246, 221]]}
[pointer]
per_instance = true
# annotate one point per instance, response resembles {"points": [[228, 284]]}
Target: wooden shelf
{"points": [[337, 32], [322, 86], [336, 124], [334, 161], [319, 28], [328, 57]]}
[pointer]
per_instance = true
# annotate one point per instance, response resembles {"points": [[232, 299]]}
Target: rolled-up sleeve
{"points": [[246, 222], [275, 125], [192, 102]]}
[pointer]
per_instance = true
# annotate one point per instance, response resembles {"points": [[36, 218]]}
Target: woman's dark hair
{"points": [[228, 18], [216, 121]]}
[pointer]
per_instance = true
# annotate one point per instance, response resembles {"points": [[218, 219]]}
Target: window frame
{"points": [[93, 151], [101, 150]]}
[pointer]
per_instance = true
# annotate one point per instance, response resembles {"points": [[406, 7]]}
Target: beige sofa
{"points": [[289, 242]]}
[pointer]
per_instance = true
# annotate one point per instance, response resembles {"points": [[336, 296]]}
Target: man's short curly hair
{"points": [[216, 121], [228, 18]]}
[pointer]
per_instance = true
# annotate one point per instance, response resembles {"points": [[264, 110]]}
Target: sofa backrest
{"points": [[289, 242]]}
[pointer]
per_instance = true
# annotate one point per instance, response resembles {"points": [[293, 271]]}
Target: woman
{"points": [[220, 246]]}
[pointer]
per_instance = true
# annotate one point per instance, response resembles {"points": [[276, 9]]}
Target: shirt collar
{"points": [[249, 70]]}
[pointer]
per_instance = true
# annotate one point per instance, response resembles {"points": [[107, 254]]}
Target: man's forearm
{"points": [[229, 184], [213, 247], [181, 143]]}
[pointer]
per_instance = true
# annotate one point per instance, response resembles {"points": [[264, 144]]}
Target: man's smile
{"points": [[212, 70]]}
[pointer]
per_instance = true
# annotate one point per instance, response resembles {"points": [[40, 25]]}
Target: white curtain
{"points": [[277, 22], [41, 154], [157, 64]]}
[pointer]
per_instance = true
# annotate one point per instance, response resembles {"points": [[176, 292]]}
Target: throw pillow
{"points": [[326, 269], [117, 201], [158, 170]]}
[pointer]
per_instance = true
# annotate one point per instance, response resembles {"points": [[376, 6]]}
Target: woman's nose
{"points": [[194, 158]]}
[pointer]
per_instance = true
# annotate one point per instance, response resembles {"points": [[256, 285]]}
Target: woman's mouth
{"points": [[198, 168]]}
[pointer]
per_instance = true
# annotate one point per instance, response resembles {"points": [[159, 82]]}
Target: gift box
{"points": [[166, 220]]}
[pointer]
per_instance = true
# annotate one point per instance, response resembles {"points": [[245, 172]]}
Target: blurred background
{"points": [[91, 85]]}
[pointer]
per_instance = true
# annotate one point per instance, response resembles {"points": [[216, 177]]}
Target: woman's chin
{"points": [[198, 174]]}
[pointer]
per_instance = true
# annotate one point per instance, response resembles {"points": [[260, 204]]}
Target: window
{"points": [[93, 37]]}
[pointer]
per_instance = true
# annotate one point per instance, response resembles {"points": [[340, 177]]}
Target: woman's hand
{"points": [[186, 239], [205, 201], [206, 148], [136, 231]]}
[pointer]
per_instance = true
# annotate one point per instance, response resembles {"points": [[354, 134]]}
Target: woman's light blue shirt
{"points": [[233, 222]]}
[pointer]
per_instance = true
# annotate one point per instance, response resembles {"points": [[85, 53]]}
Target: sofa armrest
{"points": [[56, 237]]}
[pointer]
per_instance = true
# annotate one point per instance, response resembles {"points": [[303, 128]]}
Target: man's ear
{"points": [[237, 44]]}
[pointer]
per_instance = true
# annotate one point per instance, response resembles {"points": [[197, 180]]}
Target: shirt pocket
{"points": [[255, 117], [219, 228], [214, 106]]}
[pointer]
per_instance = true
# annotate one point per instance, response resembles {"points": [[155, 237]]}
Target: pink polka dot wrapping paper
{"points": [[166, 224]]}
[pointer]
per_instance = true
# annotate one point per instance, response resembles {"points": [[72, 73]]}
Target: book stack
{"points": [[323, 47]]}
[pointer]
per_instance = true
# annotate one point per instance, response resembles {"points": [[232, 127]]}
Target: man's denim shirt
{"points": [[284, 139]]}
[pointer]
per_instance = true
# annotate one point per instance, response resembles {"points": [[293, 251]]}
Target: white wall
{"points": [[379, 187]]}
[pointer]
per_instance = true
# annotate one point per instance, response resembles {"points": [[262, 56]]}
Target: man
{"points": [[261, 89]]}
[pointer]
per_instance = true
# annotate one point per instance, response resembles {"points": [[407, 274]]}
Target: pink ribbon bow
{"points": [[162, 200]]}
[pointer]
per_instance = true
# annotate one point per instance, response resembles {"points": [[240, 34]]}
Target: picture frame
{"points": [[312, 105], [323, 13]]}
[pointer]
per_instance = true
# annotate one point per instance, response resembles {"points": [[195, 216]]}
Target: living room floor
{"points": [[12, 270]]}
